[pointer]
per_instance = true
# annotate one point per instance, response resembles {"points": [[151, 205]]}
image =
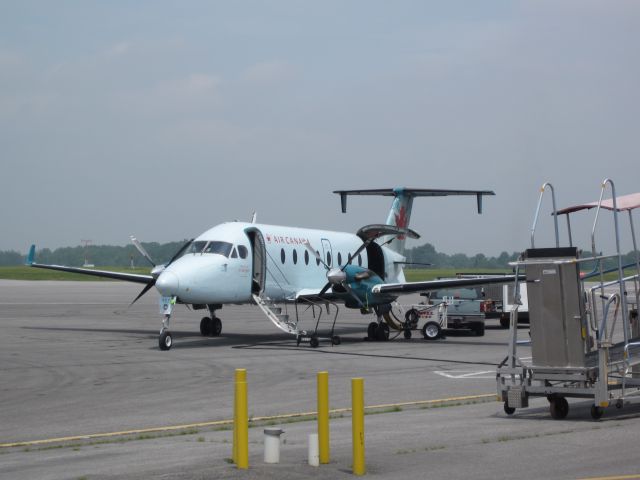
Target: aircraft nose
{"points": [[168, 284]]}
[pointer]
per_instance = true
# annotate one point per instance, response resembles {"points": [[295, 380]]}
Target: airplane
{"points": [[252, 263]]}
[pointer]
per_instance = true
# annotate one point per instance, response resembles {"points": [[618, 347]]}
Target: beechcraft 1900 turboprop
{"points": [[240, 263]]}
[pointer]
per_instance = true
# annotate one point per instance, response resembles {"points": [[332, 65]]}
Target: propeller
{"points": [[337, 276], [158, 269], [368, 234]]}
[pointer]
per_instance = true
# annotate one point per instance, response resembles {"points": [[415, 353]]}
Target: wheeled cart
{"points": [[584, 335]]}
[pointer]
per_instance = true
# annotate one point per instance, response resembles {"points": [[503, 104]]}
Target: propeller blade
{"points": [[324, 289], [141, 249], [146, 288], [180, 252], [364, 245], [316, 254], [353, 294]]}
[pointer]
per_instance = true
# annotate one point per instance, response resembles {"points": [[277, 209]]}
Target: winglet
{"points": [[31, 256]]}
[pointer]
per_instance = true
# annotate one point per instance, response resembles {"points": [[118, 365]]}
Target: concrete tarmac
{"points": [[74, 361]]}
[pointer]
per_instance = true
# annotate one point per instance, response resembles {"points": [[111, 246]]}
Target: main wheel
{"points": [[559, 408], [504, 321], [216, 326], [596, 412], [371, 330], [205, 326], [314, 342], [165, 340], [407, 334], [382, 332], [335, 340], [509, 410], [431, 330]]}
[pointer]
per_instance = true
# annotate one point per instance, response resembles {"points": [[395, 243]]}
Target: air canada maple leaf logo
{"points": [[401, 220]]}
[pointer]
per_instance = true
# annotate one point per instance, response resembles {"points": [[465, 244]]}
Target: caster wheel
{"points": [[596, 412], [559, 408], [431, 331], [509, 410], [216, 327], [314, 342], [205, 326], [165, 340]]}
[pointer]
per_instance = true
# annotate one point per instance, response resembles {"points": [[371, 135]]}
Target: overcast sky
{"points": [[164, 118]]}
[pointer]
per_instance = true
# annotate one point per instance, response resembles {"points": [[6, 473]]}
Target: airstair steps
{"points": [[274, 313]]}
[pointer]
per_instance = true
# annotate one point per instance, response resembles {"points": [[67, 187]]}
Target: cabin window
{"points": [[306, 257], [234, 253], [242, 250], [295, 257], [283, 257], [329, 259], [339, 259]]}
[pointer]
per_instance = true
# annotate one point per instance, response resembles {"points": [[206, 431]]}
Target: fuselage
{"points": [[231, 261]]}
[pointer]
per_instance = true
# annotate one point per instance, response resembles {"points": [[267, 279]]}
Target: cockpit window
{"points": [[196, 247], [221, 248]]}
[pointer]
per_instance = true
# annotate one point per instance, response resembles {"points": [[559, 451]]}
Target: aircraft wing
{"points": [[412, 287], [128, 277], [312, 295]]}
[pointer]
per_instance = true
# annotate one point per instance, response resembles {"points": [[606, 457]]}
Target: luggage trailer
{"points": [[585, 340]]}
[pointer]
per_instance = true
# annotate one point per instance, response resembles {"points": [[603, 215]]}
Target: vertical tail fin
{"points": [[400, 213], [31, 256]]}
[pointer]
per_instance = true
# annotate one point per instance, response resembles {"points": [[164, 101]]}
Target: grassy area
{"points": [[29, 273]]}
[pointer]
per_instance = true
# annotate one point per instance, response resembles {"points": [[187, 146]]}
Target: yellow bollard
{"points": [[357, 419], [241, 376], [242, 450], [323, 416]]}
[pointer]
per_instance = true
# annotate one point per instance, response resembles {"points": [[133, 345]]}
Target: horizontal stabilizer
{"points": [[412, 192]]}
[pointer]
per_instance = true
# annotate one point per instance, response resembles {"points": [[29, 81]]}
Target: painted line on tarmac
{"points": [[465, 374], [614, 477], [218, 423]]}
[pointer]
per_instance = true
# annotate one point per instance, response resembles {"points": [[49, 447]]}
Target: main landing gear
{"points": [[378, 331], [209, 327]]}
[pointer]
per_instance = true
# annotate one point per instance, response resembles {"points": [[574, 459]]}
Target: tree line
{"points": [[123, 256]]}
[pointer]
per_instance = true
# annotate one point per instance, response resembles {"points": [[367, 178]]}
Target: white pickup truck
{"points": [[507, 304]]}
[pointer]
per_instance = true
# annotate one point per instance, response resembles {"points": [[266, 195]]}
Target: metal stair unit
{"points": [[585, 341], [279, 319]]}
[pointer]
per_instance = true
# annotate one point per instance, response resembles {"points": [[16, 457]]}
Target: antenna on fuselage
{"points": [[254, 217]]}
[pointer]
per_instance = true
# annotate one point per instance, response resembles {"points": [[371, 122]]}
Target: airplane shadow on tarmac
{"points": [[190, 340]]}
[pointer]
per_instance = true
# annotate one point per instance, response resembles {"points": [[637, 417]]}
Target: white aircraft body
{"points": [[241, 263]]}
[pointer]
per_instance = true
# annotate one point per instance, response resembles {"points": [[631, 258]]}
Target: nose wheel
{"points": [[165, 340]]}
